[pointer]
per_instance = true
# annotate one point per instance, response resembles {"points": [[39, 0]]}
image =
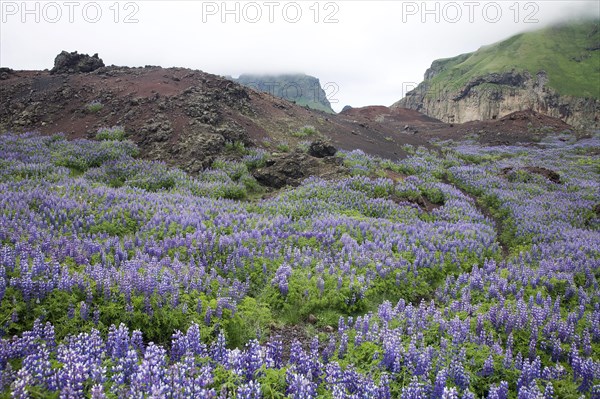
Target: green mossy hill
{"points": [[569, 53]]}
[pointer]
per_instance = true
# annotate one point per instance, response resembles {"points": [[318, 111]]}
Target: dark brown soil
{"points": [[421, 202], [394, 176], [547, 173], [298, 332]]}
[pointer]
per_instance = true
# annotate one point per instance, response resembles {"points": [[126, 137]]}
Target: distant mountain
{"points": [[554, 71], [304, 90]]}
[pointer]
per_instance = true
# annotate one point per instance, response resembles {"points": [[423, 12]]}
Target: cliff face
{"points": [[304, 90], [496, 95], [555, 72]]}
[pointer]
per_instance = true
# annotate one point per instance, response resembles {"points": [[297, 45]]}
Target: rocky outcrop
{"points": [[73, 62], [5, 73], [291, 169], [495, 95], [321, 149]]}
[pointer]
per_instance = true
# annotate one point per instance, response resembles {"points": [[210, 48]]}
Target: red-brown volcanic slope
{"points": [[176, 113]]}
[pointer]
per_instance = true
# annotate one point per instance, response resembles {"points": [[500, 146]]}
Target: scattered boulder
{"points": [[321, 149], [291, 169], [5, 72], [282, 171], [74, 62]]}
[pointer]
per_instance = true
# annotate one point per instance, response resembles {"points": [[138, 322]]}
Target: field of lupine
{"points": [[124, 278]]}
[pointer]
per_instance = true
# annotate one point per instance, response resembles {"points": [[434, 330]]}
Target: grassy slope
{"points": [[551, 49]]}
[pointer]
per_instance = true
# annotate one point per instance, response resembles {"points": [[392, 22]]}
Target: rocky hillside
{"points": [[187, 118], [554, 71], [304, 90]]}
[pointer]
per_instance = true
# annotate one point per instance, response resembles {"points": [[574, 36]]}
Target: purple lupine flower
{"points": [[529, 392], [20, 385], [83, 311], [118, 341], [549, 391], [459, 375], [97, 392], [468, 395], [343, 346], [281, 278], [488, 367], [253, 359], [595, 392], [588, 374], [39, 367], [414, 390], [137, 341], [440, 384], [274, 353], [383, 391], [250, 390], [96, 317], [150, 377], [329, 349], [218, 349], [299, 387], [450, 393], [179, 346], [194, 341], [208, 316], [499, 392], [320, 285]]}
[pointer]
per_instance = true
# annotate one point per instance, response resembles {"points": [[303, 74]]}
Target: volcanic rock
{"points": [[290, 169], [321, 149], [5, 72], [73, 62]]}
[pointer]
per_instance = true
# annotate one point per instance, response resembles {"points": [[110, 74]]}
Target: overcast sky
{"points": [[364, 52]]}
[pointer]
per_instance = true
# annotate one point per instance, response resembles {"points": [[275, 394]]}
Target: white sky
{"points": [[373, 53]]}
